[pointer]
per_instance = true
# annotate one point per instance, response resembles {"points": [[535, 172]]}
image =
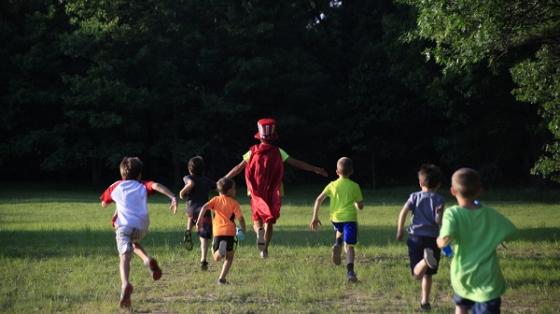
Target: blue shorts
{"points": [[416, 246], [489, 307], [349, 231]]}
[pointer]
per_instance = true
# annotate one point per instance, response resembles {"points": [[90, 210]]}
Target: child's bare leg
{"points": [[426, 288], [190, 222], [203, 249], [216, 255], [257, 224], [124, 268], [420, 269], [139, 250], [461, 310], [268, 228], [227, 265], [350, 253]]}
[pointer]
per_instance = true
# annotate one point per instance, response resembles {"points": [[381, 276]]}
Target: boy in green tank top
{"points": [[474, 232]]}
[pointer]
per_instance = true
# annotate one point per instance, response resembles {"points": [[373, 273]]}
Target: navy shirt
{"points": [[423, 206], [198, 195]]}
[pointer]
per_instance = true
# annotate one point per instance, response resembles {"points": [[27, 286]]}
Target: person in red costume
{"points": [[264, 171]]}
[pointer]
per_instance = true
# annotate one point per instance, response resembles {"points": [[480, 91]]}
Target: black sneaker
{"points": [[204, 265], [352, 277], [187, 240], [222, 281], [425, 307]]}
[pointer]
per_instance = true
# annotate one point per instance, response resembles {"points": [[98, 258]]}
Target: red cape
{"points": [[263, 174]]}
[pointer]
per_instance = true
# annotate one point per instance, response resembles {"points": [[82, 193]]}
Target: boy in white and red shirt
{"points": [[131, 219]]}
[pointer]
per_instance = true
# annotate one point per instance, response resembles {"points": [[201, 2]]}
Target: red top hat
{"points": [[267, 129]]}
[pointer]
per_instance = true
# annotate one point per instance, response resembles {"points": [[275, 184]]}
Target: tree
{"points": [[521, 35]]}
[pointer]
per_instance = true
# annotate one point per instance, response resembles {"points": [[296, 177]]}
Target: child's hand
{"points": [[399, 235], [314, 225], [173, 205], [321, 172]]}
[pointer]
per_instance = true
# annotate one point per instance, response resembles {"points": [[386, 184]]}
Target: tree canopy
{"points": [[85, 83]]}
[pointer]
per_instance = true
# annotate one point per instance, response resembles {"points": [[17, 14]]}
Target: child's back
{"points": [[424, 207], [198, 195]]}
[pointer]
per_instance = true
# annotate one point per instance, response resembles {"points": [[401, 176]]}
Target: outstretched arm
{"points": [[186, 189], [236, 170], [400, 222], [302, 165], [315, 222], [199, 224], [165, 191], [443, 242]]}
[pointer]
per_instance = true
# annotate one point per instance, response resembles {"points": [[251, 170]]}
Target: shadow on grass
{"points": [[85, 242]]}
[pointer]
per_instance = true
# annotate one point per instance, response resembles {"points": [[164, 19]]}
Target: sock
{"points": [[350, 267], [338, 241]]}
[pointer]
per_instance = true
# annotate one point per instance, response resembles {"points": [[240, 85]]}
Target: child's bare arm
{"points": [[305, 166], [165, 191], [439, 213], [443, 242], [359, 205], [315, 222], [203, 210], [242, 224], [186, 189], [236, 170], [104, 204], [401, 221]]}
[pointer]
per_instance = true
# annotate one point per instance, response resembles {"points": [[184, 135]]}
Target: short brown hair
{"points": [[224, 185], [196, 166], [131, 168], [430, 175], [345, 166], [466, 182]]}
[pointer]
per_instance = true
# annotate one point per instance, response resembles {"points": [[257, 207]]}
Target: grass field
{"points": [[57, 254]]}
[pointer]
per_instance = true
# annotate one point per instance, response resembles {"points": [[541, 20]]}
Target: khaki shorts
{"points": [[126, 236]]}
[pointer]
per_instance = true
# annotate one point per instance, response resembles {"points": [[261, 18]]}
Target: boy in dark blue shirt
{"points": [[427, 209]]}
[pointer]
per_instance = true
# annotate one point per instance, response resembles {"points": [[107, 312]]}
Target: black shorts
{"points": [[229, 240], [206, 222], [416, 246]]}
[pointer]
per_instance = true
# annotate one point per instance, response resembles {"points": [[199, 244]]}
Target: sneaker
{"points": [[222, 248], [125, 296], [261, 243], [187, 240], [222, 281], [264, 254], [425, 307], [154, 269], [352, 276], [204, 265], [429, 258], [336, 250]]}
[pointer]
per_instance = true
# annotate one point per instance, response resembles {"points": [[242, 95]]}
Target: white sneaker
{"points": [[261, 243], [429, 258], [222, 248]]}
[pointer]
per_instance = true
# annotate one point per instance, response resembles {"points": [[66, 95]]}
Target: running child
{"points": [[132, 220], [346, 198], [426, 207], [264, 172], [474, 232], [226, 210], [195, 192]]}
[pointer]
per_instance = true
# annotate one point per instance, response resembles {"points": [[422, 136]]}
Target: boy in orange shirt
{"points": [[226, 209]]}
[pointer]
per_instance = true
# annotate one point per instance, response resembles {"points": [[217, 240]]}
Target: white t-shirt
{"points": [[131, 197]]}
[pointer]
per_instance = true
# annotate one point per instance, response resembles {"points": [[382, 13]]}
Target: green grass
{"points": [[57, 254]]}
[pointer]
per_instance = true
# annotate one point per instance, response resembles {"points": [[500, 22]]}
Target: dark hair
{"points": [[131, 168], [345, 166], [430, 175], [224, 185], [196, 166], [466, 182]]}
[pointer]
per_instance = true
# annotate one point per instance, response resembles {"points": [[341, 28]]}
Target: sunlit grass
{"points": [[58, 255]]}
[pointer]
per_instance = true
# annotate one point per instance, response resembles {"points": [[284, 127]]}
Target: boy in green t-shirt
{"points": [[474, 232], [346, 198]]}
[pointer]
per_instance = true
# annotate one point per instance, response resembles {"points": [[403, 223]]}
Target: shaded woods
{"points": [[85, 82]]}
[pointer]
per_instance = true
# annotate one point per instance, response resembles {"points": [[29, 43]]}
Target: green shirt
{"points": [[343, 193], [283, 155], [475, 234]]}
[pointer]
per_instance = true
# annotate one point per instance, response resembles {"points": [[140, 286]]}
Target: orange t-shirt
{"points": [[225, 210]]}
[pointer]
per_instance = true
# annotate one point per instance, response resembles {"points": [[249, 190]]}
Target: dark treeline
{"points": [[84, 83]]}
